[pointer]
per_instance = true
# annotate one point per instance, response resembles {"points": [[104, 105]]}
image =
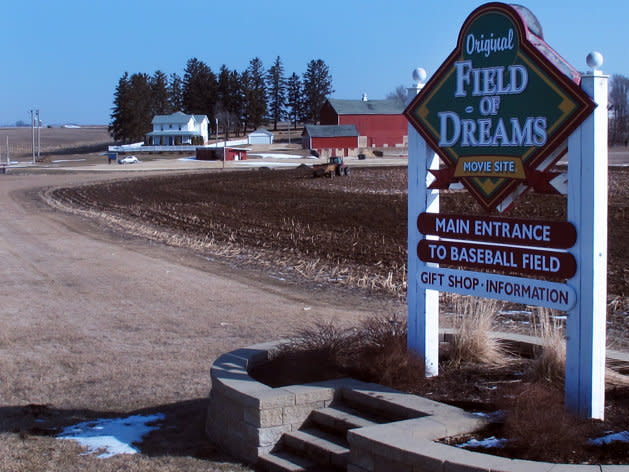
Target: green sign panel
{"points": [[498, 106]]}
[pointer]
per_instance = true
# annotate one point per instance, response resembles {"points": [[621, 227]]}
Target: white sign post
{"points": [[587, 210], [423, 305]]}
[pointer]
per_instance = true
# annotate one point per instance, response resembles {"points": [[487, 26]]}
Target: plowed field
{"points": [[348, 230]]}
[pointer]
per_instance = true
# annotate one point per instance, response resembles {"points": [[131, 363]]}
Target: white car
{"points": [[128, 160]]}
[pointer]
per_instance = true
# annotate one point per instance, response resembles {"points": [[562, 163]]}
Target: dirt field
{"points": [[59, 142], [101, 318], [343, 231], [99, 324]]}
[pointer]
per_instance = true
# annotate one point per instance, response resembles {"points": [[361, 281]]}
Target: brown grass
{"points": [[538, 423], [57, 141], [473, 342], [549, 364]]}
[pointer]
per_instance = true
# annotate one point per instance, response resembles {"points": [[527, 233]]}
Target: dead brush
{"points": [[382, 354], [373, 351], [538, 422], [473, 341], [549, 364]]}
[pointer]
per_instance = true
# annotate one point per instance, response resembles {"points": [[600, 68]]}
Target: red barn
{"points": [[379, 122], [331, 140]]}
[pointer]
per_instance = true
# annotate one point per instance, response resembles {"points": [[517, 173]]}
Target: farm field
{"points": [[343, 231], [117, 299]]}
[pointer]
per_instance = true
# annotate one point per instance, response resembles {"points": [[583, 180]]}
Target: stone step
{"points": [[339, 418], [379, 403], [317, 445], [285, 461]]}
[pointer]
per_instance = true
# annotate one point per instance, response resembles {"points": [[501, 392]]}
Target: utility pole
{"points": [[33, 136], [38, 135]]}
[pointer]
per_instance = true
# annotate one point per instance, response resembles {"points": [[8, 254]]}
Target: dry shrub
{"points": [[550, 362], [373, 351], [473, 341], [537, 422], [381, 354]]}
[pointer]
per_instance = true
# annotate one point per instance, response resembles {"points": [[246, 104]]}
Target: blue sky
{"points": [[65, 57]]}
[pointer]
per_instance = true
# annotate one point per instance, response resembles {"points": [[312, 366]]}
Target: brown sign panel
{"points": [[550, 234], [505, 258]]}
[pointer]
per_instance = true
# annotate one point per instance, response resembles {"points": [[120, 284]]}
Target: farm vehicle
{"points": [[335, 166]]}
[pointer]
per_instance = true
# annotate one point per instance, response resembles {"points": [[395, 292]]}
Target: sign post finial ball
{"points": [[594, 60], [419, 75]]}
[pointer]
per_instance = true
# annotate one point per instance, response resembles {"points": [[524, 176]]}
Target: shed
{"points": [[260, 136], [217, 154], [331, 140], [379, 122]]}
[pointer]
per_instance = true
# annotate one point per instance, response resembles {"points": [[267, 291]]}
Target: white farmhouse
{"points": [[178, 129]]}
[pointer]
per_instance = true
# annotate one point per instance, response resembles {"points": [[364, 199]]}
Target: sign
{"points": [[499, 113], [498, 107], [561, 265], [550, 234], [502, 287]]}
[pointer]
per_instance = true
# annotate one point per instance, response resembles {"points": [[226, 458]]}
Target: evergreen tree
{"points": [[317, 86], [294, 98], [132, 111], [140, 106], [199, 89], [175, 92], [276, 86], [228, 100], [255, 93], [237, 105], [161, 97], [120, 114]]}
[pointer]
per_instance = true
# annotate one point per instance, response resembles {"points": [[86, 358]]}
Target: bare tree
{"points": [[399, 94], [619, 101]]}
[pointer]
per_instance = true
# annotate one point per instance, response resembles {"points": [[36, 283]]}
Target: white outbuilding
{"points": [[260, 136]]}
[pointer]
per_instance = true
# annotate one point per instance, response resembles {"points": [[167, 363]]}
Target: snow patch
{"points": [[491, 441], [623, 436], [111, 436]]}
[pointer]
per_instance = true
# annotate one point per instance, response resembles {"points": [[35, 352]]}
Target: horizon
{"points": [[70, 63]]}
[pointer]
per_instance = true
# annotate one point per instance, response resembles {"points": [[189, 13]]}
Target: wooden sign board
{"points": [[522, 260], [518, 231]]}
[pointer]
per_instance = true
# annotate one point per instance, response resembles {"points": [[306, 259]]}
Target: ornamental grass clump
{"points": [[473, 341], [549, 364]]}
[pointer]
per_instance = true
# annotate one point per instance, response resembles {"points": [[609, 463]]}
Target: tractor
{"points": [[335, 166]]}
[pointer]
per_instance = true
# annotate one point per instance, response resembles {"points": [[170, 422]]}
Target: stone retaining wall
{"points": [[247, 418]]}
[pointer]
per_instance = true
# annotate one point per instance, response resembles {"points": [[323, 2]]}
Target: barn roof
{"points": [[331, 131], [366, 107]]}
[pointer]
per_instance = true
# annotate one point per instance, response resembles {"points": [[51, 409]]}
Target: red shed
{"points": [[379, 122], [331, 140], [216, 154]]}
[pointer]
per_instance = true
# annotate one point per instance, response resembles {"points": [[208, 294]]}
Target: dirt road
{"points": [[96, 321]]}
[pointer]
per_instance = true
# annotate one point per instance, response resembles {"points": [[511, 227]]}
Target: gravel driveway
{"points": [[99, 324]]}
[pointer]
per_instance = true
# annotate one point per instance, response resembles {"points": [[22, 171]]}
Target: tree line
{"points": [[619, 110], [238, 100]]}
